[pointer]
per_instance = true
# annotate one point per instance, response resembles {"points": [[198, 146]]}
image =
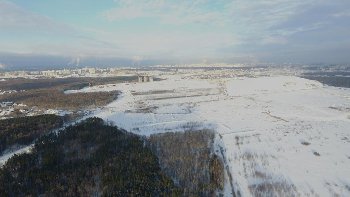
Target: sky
{"points": [[73, 32]]}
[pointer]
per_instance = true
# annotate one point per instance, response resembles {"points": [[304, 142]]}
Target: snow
{"points": [[281, 133], [6, 156], [262, 85], [58, 112]]}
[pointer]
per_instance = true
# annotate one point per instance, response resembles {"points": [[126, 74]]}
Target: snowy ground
{"points": [[7, 155], [283, 136]]}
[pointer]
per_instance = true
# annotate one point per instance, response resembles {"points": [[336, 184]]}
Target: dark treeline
{"points": [[54, 99], [49, 93], [88, 159], [61, 83], [24, 130], [188, 158], [336, 81]]}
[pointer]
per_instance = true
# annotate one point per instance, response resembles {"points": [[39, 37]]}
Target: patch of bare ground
{"points": [[347, 187], [337, 190], [305, 143], [271, 188], [188, 158], [143, 110], [142, 107], [275, 117], [152, 92], [340, 108], [263, 182], [181, 96]]}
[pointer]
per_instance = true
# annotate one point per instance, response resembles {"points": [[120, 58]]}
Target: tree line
{"points": [[88, 159], [24, 130]]}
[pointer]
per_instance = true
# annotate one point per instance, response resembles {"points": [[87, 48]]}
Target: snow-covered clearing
{"points": [[282, 136]]}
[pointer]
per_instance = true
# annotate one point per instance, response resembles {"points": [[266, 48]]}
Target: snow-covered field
{"points": [[283, 135]]}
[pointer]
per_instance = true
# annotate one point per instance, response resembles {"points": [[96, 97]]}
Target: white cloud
{"points": [[40, 34], [244, 18], [262, 13], [234, 23], [168, 44], [15, 17], [274, 40], [342, 14], [262, 17], [310, 27], [169, 12], [182, 29]]}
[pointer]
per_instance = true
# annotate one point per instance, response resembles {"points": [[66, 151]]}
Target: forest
{"points": [[56, 99], [90, 158], [61, 83], [49, 93], [24, 130], [336, 81], [188, 157]]}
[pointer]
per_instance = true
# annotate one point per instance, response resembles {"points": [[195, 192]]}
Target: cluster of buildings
{"points": [[81, 72], [67, 72], [145, 78]]}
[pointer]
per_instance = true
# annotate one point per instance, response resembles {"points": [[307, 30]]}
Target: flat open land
{"points": [[279, 135]]}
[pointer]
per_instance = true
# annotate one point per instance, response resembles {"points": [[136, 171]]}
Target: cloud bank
{"points": [[223, 30]]}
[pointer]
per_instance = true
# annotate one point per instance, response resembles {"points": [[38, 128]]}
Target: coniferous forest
{"points": [[88, 159], [24, 130]]}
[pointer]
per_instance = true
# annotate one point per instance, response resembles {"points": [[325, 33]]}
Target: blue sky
{"points": [[296, 31]]}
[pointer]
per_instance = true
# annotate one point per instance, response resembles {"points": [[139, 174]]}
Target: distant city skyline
{"points": [[145, 32]]}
